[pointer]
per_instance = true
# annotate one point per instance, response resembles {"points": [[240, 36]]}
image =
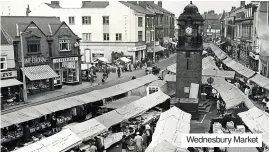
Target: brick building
{"points": [[51, 52]]}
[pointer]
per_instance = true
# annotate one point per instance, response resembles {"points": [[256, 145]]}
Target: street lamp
{"points": [[22, 64], [153, 43]]}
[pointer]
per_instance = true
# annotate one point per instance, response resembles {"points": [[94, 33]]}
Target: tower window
{"points": [[187, 64]]}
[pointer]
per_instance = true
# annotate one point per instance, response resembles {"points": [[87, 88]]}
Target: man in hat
{"points": [[138, 142]]}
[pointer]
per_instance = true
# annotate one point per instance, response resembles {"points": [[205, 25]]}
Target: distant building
{"points": [[212, 25], [110, 29]]}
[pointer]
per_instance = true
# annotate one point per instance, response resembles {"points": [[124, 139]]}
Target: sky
{"points": [[18, 7]]}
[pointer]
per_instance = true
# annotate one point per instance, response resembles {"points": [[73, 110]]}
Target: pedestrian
{"points": [[138, 142], [149, 134], [124, 143], [144, 145], [93, 148], [247, 91], [99, 144], [119, 72], [17, 97], [218, 105], [131, 145]]}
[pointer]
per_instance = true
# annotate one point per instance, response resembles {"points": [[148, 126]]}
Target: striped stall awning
{"points": [[40, 72]]}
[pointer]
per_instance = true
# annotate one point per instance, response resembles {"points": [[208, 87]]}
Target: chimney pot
{"points": [[55, 3], [160, 3]]}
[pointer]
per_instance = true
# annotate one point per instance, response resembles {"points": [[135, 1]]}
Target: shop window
{"points": [[72, 20], [106, 20], [86, 20], [118, 37], [106, 36], [3, 63], [70, 75], [33, 46], [140, 21], [153, 89], [65, 45]]}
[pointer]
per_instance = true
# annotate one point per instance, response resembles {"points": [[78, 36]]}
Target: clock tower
{"points": [[189, 57]]}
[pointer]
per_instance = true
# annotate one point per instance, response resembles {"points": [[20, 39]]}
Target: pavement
{"points": [[85, 87]]}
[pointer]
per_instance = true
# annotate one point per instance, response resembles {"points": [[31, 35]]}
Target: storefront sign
{"points": [[8, 74], [69, 65], [65, 59], [138, 48], [35, 60]]}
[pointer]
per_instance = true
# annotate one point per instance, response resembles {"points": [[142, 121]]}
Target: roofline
{"points": [[63, 23], [33, 16], [32, 22]]}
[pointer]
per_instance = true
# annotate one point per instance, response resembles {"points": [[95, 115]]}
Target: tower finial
{"points": [[191, 2]]}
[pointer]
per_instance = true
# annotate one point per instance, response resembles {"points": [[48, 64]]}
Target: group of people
{"points": [[139, 142]]}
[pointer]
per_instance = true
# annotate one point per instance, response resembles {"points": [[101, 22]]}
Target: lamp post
{"points": [[22, 64], [153, 43]]}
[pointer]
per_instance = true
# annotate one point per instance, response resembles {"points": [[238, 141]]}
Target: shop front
{"points": [[137, 52], [39, 74], [253, 61], [10, 86], [68, 70]]}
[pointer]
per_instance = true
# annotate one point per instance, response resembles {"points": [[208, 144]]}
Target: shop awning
{"points": [[61, 141], [260, 80], [40, 72], [35, 147], [88, 129], [158, 48], [170, 126], [124, 59], [10, 82], [102, 59], [121, 102]]}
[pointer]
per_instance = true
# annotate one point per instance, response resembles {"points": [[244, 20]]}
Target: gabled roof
{"points": [[54, 30], [95, 4], [137, 8], [53, 6], [158, 9], [10, 24]]}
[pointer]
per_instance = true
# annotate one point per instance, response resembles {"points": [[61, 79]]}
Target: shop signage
{"points": [[138, 48], [8, 74], [35, 60], [65, 59]]}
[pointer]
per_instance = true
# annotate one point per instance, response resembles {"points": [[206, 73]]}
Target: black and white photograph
{"points": [[134, 76]]}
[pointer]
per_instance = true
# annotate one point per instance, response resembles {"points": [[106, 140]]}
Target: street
{"points": [[112, 80]]}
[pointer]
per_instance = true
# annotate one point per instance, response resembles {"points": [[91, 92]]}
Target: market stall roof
{"points": [[218, 73], [239, 68], [132, 109], [165, 146], [209, 63], [88, 129], [39, 72], [157, 83], [35, 147], [102, 59], [10, 82], [218, 52], [169, 128], [121, 102], [124, 59], [158, 48], [260, 80], [242, 149], [61, 141]]}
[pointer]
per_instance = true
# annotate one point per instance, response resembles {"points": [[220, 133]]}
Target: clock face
{"points": [[188, 30]]}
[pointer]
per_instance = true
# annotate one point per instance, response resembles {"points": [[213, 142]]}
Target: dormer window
{"points": [[65, 45]]}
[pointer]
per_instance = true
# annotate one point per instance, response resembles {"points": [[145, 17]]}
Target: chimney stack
{"points": [[28, 11], [55, 3], [84, 3], [242, 3], [160, 3]]}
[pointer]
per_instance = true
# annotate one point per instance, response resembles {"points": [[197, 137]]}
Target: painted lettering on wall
{"points": [[65, 59], [8, 74], [35, 60]]}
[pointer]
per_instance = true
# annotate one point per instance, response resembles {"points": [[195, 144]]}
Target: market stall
{"points": [[121, 102], [218, 52], [169, 128], [35, 147]]}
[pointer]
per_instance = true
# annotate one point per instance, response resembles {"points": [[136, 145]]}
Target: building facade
{"points": [[212, 25], [9, 83], [51, 53]]}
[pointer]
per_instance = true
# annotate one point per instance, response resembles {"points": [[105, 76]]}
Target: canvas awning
{"points": [[170, 126], [40, 72], [158, 48], [124, 59], [88, 129], [61, 141], [260, 80], [35, 147], [10, 82], [121, 102], [102, 59]]}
